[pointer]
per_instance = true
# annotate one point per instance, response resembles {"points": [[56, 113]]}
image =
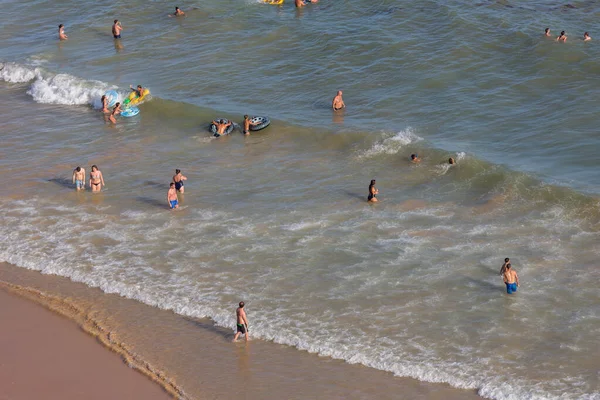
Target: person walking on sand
{"points": [[562, 37], [242, 323], [61, 32], [506, 262], [79, 178], [116, 29], [586, 37], [116, 111], [178, 179], [511, 279], [172, 197], [373, 192], [96, 179], [338, 103]]}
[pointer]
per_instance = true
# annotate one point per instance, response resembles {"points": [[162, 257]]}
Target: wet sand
{"points": [[47, 356], [191, 358]]}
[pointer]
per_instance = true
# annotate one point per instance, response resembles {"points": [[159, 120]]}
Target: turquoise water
{"points": [[416, 275]]}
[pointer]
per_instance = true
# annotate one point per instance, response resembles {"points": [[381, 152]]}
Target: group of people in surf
{"points": [[563, 37]]}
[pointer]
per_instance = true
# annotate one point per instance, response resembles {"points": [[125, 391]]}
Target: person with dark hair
{"points": [[79, 178], [415, 158], [338, 102], [373, 192], [506, 261], [104, 101], [547, 32], [178, 179], [61, 32], [172, 196], [116, 29], [511, 279], [451, 161], [221, 126], [116, 111], [177, 13], [242, 323], [96, 179], [562, 37], [586, 37]]}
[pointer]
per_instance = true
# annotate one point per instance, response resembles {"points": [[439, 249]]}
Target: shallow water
{"points": [[279, 219]]}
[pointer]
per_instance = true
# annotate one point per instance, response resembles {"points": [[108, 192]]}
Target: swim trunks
{"points": [[117, 36], [241, 328], [178, 185], [79, 184], [173, 203], [511, 287]]}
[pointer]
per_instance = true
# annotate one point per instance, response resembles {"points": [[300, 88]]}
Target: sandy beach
{"points": [[47, 356], [190, 355]]}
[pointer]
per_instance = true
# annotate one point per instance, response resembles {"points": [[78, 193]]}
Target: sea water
{"points": [[279, 219]]}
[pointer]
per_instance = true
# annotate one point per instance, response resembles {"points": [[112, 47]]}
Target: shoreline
{"points": [[196, 358]]}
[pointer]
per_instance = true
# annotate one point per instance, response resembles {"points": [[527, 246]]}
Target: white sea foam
{"points": [[391, 144], [15, 73]]}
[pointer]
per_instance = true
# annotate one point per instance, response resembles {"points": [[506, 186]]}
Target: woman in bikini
{"points": [[96, 179], [115, 111], [373, 192]]}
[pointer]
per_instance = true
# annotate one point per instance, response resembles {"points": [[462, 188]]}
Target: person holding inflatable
{"points": [[221, 125], [136, 96]]}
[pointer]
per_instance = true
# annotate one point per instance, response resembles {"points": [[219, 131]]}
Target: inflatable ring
{"points": [[274, 2], [112, 96], [130, 112], [213, 127], [134, 99], [258, 123]]}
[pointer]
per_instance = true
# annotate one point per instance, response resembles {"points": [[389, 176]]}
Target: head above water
{"points": [[177, 171], [94, 167], [116, 20], [372, 182], [506, 259], [242, 304], [339, 92], [176, 8], [60, 26], [586, 34], [245, 117], [547, 30], [413, 156], [172, 184], [78, 169], [451, 161], [562, 33], [508, 266]]}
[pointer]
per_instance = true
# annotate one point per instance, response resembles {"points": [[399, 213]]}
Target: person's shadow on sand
{"points": [[210, 327]]}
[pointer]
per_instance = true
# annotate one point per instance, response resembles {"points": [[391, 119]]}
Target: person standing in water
{"points": [[104, 101], [116, 29], [299, 3], [547, 32], [79, 178], [562, 37], [511, 279], [415, 158], [178, 179], [172, 197], [242, 323], [586, 37], [61, 32], [338, 103], [373, 192], [506, 262], [116, 111], [96, 179], [451, 161], [177, 13]]}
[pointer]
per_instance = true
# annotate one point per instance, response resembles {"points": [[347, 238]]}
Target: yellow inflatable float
{"points": [[136, 96], [274, 2]]}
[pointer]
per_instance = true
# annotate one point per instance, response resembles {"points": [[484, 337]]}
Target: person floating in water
{"points": [[242, 323], [415, 158], [221, 126], [116, 111], [562, 37], [373, 192], [451, 161], [177, 13], [61, 32], [178, 179], [506, 262], [139, 90], [116, 29], [96, 179], [338, 102], [586, 37], [547, 32], [79, 178], [172, 197], [511, 279]]}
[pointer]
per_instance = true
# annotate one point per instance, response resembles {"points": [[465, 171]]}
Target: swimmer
{"points": [[116, 29], [511, 279], [104, 100], [547, 32], [451, 161], [96, 179], [116, 111], [172, 197], [79, 178], [177, 13], [338, 102], [506, 262], [586, 37], [373, 192], [415, 158], [241, 323], [299, 3], [221, 126], [562, 37], [178, 179], [61, 32], [139, 91]]}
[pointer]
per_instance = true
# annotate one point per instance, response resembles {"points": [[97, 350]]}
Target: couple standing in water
{"points": [[174, 187], [96, 179]]}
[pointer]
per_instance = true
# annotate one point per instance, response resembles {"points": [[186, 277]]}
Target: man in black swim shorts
{"points": [[242, 322], [116, 29]]}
